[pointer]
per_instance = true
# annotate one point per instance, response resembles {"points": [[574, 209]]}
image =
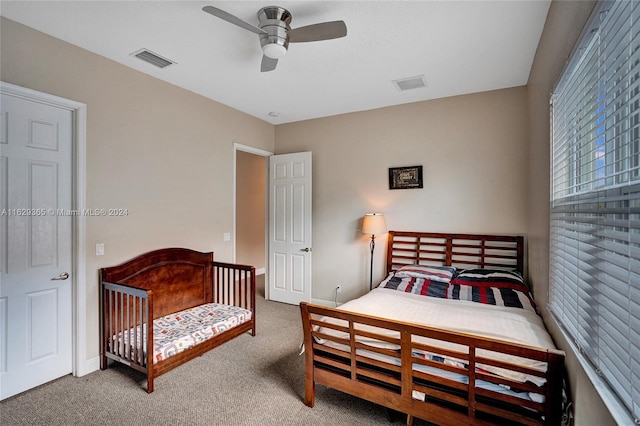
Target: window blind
{"points": [[594, 287]]}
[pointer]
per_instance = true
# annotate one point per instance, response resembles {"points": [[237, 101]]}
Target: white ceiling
{"points": [[459, 47]]}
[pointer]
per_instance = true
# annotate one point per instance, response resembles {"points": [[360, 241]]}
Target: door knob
{"points": [[306, 249], [63, 276]]}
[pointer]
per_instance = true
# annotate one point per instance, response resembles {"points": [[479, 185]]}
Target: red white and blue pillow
{"points": [[486, 286]]}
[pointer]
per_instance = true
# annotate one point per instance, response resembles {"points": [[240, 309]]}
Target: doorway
{"points": [[250, 205]]}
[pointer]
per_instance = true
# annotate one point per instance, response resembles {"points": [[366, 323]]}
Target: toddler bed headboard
{"points": [[174, 273], [463, 251]]}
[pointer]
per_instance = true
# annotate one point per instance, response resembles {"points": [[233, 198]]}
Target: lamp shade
{"points": [[374, 224]]}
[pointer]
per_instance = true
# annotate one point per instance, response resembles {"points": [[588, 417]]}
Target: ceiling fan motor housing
{"points": [[275, 21]]}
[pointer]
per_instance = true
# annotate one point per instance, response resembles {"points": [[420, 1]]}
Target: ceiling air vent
{"points": [[152, 58], [410, 83]]}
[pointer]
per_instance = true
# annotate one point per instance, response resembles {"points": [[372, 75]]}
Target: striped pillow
{"points": [[489, 277], [442, 274]]}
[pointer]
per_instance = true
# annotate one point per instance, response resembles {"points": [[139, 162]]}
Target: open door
{"points": [[290, 228]]}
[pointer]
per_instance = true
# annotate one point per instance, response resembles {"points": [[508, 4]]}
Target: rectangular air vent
{"points": [[152, 58], [410, 83]]}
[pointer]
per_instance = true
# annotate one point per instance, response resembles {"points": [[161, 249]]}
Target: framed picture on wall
{"points": [[405, 177]]}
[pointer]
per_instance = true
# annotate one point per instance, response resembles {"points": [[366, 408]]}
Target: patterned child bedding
{"points": [[177, 332]]}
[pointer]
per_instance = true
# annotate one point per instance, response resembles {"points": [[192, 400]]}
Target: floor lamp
{"points": [[373, 224]]}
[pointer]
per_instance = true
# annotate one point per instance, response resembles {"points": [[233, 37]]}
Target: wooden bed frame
{"points": [[391, 384], [162, 282]]}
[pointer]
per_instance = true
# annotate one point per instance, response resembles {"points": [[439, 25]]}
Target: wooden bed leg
{"points": [[307, 348], [309, 393]]}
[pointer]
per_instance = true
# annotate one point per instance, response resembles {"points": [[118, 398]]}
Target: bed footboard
{"points": [[400, 366]]}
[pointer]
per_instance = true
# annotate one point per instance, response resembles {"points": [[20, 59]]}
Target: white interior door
{"points": [[35, 248], [290, 227]]}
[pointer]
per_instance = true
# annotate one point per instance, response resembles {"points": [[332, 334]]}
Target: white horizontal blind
{"points": [[594, 288]]}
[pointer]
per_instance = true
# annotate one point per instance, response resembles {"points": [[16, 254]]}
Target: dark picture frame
{"points": [[405, 177]]}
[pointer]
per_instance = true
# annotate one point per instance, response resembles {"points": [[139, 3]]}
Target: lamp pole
{"points": [[372, 224], [372, 245]]}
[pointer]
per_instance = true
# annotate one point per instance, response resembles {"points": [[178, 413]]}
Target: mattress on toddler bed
{"points": [[177, 332]]}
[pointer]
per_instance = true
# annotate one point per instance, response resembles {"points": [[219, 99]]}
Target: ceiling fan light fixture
{"points": [[273, 29], [274, 50]]}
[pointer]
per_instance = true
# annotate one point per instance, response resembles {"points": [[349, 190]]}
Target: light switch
{"points": [[99, 249], [226, 236]]}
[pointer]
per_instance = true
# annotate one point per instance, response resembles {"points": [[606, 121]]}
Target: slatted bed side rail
{"points": [[235, 284], [463, 251], [402, 366], [126, 331], [498, 385]]}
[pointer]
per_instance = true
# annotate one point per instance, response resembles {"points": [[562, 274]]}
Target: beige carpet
{"points": [[247, 381]]}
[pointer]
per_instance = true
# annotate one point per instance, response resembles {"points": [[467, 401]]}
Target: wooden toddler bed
{"points": [[446, 346], [166, 307]]}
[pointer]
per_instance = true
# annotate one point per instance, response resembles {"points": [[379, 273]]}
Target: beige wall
{"points": [[251, 187], [163, 153], [473, 150], [564, 24]]}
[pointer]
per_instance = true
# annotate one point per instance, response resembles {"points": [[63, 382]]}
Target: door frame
{"points": [[261, 152], [80, 366]]}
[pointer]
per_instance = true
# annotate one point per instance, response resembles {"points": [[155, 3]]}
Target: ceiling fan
{"points": [[276, 34]]}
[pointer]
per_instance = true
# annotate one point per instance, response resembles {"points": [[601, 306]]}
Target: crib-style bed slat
{"points": [[125, 308], [235, 285]]}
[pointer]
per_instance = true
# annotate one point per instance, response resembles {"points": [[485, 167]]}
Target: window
{"points": [[594, 289]]}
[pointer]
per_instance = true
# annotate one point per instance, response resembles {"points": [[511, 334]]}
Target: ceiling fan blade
{"points": [[268, 64], [219, 13], [317, 32]]}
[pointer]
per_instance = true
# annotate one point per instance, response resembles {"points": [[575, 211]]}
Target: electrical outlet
{"points": [[338, 288]]}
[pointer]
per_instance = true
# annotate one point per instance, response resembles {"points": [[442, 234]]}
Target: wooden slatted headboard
{"points": [[460, 250]]}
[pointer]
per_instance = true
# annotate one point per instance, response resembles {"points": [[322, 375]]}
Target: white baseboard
{"points": [[328, 303], [89, 366], [261, 271]]}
